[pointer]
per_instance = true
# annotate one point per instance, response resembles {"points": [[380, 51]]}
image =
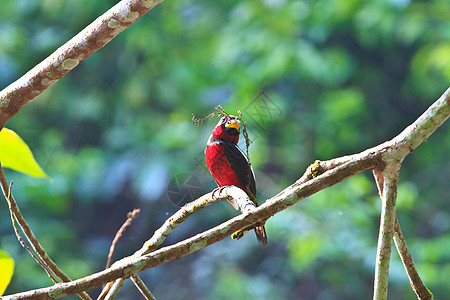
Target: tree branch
{"points": [[223, 193], [378, 157], [387, 220], [142, 287], [422, 292], [190, 208], [130, 216], [59, 63], [416, 133], [11, 203], [115, 289]]}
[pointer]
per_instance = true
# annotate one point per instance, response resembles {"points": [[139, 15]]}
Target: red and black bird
{"points": [[229, 165]]}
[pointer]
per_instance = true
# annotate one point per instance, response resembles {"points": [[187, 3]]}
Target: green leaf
{"points": [[7, 270], [15, 154]]}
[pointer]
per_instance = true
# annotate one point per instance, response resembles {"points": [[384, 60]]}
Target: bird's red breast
{"points": [[220, 167]]}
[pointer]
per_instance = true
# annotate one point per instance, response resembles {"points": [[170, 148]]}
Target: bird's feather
{"points": [[241, 167]]}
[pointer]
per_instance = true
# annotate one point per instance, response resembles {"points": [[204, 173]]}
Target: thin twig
{"points": [[130, 216], [18, 217], [142, 287], [21, 241], [422, 292], [221, 112]]}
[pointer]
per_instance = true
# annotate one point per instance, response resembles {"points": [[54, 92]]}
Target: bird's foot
{"points": [[217, 190]]}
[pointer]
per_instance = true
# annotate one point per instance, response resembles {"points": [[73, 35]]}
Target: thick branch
{"points": [[416, 133], [59, 63]]}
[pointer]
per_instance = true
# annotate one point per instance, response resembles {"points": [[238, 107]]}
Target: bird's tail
{"points": [[261, 235]]}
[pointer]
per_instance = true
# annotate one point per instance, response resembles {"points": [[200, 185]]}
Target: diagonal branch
{"points": [[130, 217], [59, 63], [416, 133], [422, 292], [11, 203], [140, 285], [228, 192]]}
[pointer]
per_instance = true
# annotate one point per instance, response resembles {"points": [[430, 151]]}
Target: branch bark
{"points": [[59, 63]]}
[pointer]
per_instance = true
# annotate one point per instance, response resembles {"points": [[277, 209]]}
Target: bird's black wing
{"points": [[241, 167]]}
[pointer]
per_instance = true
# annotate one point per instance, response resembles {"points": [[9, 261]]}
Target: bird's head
{"points": [[230, 124], [228, 128]]}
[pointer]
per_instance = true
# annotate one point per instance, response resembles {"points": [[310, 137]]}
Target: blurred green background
{"points": [[314, 80]]}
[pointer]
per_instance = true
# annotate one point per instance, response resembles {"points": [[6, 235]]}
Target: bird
{"points": [[229, 165]]}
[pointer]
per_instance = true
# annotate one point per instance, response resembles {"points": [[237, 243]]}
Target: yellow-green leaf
{"points": [[7, 270], [15, 154]]}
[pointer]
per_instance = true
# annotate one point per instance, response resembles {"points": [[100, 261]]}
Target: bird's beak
{"points": [[236, 124]]}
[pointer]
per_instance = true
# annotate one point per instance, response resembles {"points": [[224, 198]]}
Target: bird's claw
{"points": [[217, 190]]}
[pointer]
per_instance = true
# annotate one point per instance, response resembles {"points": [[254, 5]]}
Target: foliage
{"points": [[7, 267], [16, 155], [115, 134]]}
